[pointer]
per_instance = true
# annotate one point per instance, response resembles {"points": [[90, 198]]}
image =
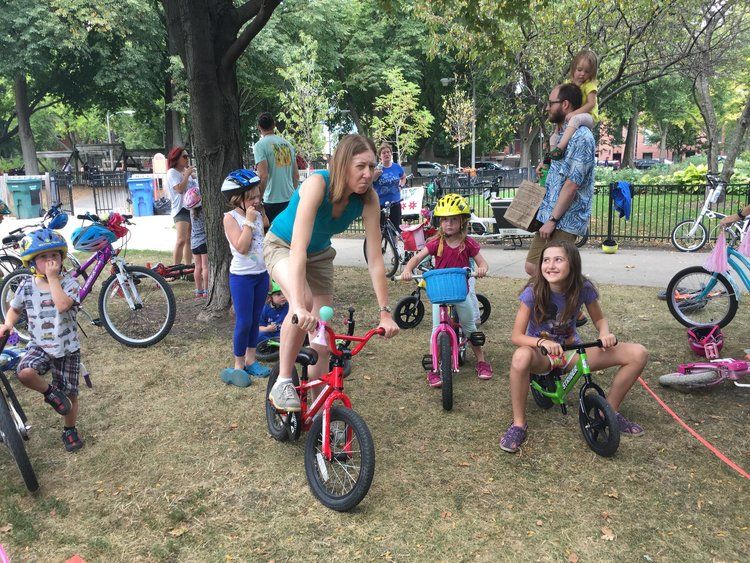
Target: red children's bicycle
{"points": [[339, 454]]}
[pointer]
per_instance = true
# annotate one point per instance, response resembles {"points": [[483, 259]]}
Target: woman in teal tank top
{"points": [[298, 253]]}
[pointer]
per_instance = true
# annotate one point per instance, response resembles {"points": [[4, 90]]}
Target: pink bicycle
{"points": [[695, 375]]}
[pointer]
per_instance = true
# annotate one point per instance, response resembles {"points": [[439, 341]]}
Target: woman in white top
{"points": [[248, 278], [180, 177]]}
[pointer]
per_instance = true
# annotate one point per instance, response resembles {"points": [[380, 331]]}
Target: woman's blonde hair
{"points": [[585, 55], [349, 146]]}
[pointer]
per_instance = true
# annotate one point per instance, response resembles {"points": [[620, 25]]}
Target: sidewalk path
{"points": [[633, 266]]}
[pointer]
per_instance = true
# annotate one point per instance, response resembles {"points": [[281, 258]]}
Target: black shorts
{"points": [[201, 249], [273, 209], [183, 215]]}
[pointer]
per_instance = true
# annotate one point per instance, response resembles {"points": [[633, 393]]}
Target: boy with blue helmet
{"points": [[50, 300]]}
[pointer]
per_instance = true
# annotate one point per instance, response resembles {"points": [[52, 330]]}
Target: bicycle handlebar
{"points": [[569, 347], [469, 274], [332, 337]]}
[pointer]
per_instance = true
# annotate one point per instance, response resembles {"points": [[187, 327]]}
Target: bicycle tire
{"points": [[265, 351], [7, 290], [599, 425], [542, 401], [12, 438], [680, 234], [275, 420], [718, 308], [9, 264], [485, 308], [408, 312], [152, 321], [391, 258], [581, 240], [445, 367], [692, 380], [341, 483]]}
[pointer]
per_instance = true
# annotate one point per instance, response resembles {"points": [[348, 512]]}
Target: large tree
{"points": [[210, 36]]}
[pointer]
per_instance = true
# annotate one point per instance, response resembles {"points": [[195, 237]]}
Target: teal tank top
{"points": [[325, 225]]}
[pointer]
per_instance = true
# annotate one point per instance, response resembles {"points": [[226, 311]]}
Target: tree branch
{"points": [[249, 10], [265, 10]]}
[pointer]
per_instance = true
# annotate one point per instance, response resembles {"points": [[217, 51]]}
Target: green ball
{"points": [[326, 313]]}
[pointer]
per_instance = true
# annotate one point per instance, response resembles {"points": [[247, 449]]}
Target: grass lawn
{"points": [[180, 467]]}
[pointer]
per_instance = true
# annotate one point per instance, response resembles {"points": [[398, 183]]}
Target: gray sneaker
{"points": [[284, 397]]}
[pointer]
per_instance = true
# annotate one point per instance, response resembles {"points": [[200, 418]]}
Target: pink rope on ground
{"points": [[697, 436]]}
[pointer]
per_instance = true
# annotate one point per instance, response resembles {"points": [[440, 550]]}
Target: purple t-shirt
{"points": [[552, 327]]}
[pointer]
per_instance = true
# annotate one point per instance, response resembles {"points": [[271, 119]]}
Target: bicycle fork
{"points": [[436, 351], [127, 285]]}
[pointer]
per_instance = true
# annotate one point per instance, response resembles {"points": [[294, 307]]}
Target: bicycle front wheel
{"points": [[153, 313], [689, 381], [408, 312], [12, 438], [10, 285], [446, 369], [697, 297], [683, 241], [8, 264], [391, 257], [599, 425], [340, 483], [485, 308]]}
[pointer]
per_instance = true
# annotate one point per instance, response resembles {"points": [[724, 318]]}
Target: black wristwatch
{"points": [[554, 219]]}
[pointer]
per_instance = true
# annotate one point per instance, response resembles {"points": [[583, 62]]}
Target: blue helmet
{"points": [[58, 221], [43, 240], [4, 209], [238, 182], [92, 238]]}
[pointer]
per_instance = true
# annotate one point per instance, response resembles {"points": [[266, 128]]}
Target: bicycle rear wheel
{"points": [[697, 297], [154, 312], [343, 481], [12, 438], [445, 366], [268, 350], [391, 257], [599, 425], [683, 241], [10, 285]]}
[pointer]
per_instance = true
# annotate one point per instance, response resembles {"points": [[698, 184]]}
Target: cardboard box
{"points": [[522, 211]]}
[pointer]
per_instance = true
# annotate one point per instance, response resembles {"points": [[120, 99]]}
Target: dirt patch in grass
{"points": [[179, 467]]}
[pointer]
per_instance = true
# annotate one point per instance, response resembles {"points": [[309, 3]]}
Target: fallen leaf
{"points": [[368, 378], [607, 534], [530, 534], [573, 557], [613, 494], [446, 514], [234, 426], [5, 529], [464, 464], [539, 522], [606, 516], [177, 532], [53, 513]]}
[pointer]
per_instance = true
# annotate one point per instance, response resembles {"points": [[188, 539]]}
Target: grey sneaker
{"points": [[284, 397]]}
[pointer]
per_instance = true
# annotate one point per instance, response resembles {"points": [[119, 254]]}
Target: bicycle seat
{"points": [[12, 239], [307, 356]]}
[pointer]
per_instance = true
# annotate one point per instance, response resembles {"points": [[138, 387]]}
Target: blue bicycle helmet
{"points": [[58, 221], [42, 240], [92, 238], [4, 209], [238, 182]]}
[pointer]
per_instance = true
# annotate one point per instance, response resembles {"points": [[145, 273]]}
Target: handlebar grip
{"points": [[18, 230], [127, 216]]}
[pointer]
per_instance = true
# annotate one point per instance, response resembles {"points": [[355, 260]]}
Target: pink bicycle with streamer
{"points": [[695, 375]]}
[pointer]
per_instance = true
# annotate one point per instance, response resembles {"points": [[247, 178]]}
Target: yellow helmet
{"points": [[452, 204]]}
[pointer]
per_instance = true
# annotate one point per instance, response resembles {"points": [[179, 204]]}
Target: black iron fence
{"points": [[654, 213], [109, 190]]}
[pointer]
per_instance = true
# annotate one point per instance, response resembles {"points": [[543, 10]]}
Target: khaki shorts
{"points": [[319, 268], [539, 244]]}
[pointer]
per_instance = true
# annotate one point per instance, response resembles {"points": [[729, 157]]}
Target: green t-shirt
{"points": [[280, 156]]}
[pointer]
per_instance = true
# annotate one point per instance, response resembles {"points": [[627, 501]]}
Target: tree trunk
{"points": [[706, 106], [734, 148], [631, 139], [202, 33], [172, 130], [527, 133], [25, 134], [663, 141]]}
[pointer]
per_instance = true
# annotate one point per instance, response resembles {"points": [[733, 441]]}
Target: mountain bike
{"points": [[136, 305], [596, 417], [409, 311], [339, 453], [697, 297], [448, 342], [14, 425], [695, 375], [691, 235], [391, 244]]}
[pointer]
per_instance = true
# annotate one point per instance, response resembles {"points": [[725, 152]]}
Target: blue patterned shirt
{"points": [[578, 167]]}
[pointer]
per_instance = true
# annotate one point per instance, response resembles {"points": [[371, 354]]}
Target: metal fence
{"points": [[654, 213], [61, 191], [109, 190]]}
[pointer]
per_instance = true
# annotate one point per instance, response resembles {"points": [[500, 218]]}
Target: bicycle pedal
{"points": [[97, 322], [477, 338], [427, 362]]}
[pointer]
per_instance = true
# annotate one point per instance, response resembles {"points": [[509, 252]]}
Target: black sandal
{"points": [[71, 441], [58, 401]]}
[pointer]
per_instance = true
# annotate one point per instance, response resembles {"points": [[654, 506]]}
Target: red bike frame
{"points": [[334, 387]]}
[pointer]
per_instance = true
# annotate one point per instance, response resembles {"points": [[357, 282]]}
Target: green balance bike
{"points": [[596, 416]]}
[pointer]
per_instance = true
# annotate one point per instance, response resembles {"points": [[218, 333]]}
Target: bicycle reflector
{"points": [[706, 341]]}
